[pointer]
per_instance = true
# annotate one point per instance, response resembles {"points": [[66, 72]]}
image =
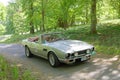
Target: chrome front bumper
{"points": [[74, 59]]}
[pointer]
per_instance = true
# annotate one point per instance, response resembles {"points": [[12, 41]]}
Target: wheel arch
{"points": [[25, 45], [49, 52], [57, 62]]}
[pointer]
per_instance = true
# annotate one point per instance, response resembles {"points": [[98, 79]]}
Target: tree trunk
{"points": [[31, 28], [31, 20], [93, 17], [86, 13], [72, 21], [62, 23], [43, 16]]}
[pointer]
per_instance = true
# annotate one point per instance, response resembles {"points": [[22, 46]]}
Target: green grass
{"points": [[10, 72], [107, 41]]}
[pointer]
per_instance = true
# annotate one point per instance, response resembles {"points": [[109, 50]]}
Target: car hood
{"points": [[70, 46]]}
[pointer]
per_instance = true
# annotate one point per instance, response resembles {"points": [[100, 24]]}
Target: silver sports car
{"points": [[57, 49]]}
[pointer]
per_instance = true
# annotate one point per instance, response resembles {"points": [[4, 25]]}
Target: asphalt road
{"points": [[100, 67]]}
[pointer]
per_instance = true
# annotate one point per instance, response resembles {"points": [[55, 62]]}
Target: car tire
{"points": [[53, 60], [28, 52]]}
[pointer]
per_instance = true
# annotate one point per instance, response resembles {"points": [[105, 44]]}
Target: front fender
{"points": [[58, 53]]}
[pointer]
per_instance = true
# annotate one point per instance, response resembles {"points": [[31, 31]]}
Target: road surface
{"points": [[98, 68]]}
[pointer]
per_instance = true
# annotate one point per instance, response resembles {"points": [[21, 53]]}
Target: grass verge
{"points": [[10, 72]]}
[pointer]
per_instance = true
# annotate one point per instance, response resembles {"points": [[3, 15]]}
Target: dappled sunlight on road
{"points": [[19, 65], [118, 67], [105, 62], [96, 69]]}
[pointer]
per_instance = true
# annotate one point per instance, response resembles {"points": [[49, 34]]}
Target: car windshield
{"points": [[52, 37]]}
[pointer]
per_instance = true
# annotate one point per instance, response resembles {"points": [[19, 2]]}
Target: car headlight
{"points": [[88, 51], [76, 54]]}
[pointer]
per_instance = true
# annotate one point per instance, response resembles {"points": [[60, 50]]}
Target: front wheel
{"points": [[53, 60], [27, 52]]}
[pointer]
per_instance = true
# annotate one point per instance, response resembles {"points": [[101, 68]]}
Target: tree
{"points": [[28, 8], [9, 18], [116, 5], [43, 15], [2, 13], [63, 18], [30, 15], [87, 12], [2, 18], [93, 17]]}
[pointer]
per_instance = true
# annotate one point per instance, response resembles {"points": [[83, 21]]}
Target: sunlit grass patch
{"points": [[14, 38], [8, 72], [4, 38], [110, 22]]}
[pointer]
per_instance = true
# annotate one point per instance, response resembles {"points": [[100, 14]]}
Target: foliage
{"points": [[23, 16], [2, 13], [28, 8], [9, 18], [12, 72], [115, 6], [2, 18], [2, 29]]}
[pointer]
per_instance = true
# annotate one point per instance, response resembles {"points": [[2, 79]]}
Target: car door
{"points": [[38, 49], [42, 50], [33, 47]]}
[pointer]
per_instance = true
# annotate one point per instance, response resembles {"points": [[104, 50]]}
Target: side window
{"points": [[45, 38]]}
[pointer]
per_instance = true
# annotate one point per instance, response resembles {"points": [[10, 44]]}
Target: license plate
{"points": [[83, 58]]}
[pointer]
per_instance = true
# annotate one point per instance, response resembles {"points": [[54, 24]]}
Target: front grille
{"points": [[81, 52]]}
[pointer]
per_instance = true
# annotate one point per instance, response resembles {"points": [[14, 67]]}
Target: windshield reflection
{"points": [[52, 37]]}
